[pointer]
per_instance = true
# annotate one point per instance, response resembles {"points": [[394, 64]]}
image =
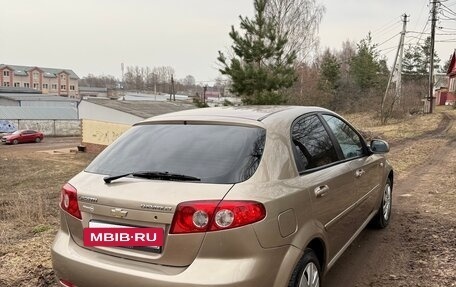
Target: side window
{"points": [[348, 139], [313, 146]]}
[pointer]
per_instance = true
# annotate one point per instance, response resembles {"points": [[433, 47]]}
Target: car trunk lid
{"points": [[141, 203]]}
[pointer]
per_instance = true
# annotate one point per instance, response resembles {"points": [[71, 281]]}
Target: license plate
{"points": [[132, 237]]}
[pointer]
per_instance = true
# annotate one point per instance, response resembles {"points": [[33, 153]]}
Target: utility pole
{"points": [[431, 64], [401, 54], [172, 88], [123, 79], [204, 93], [155, 83], [384, 115]]}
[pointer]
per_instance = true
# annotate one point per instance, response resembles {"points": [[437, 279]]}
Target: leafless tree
{"points": [[189, 80], [300, 19], [102, 81], [344, 56]]}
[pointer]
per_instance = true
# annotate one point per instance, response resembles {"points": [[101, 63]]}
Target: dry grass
{"points": [[29, 194], [407, 128], [410, 138]]}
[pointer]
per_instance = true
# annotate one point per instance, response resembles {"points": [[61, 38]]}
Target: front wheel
{"points": [[308, 271], [382, 219], [15, 141], [37, 140]]}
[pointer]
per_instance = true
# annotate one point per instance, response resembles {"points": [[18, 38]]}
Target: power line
{"points": [[447, 9], [421, 13], [386, 41], [386, 26], [389, 48], [422, 32]]}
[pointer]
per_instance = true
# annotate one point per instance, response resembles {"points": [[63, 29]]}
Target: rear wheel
{"points": [[37, 140], [382, 219], [308, 271]]}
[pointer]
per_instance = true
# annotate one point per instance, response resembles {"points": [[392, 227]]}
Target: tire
{"points": [[383, 216], [307, 272], [37, 140], [15, 141]]}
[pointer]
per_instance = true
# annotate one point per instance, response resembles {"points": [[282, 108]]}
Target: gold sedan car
{"points": [[244, 196]]}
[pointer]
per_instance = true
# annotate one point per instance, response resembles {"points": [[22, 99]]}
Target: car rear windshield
{"points": [[212, 153]]}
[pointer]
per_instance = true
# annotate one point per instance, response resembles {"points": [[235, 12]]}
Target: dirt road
{"points": [[419, 246]]}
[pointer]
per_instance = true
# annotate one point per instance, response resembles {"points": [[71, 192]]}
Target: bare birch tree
{"points": [[299, 19]]}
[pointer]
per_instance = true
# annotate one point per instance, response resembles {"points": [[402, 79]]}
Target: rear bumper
{"points": [[85, 268]]}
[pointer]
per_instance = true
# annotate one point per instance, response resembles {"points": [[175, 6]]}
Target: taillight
{"points": [[213, 215], [69, 200]]}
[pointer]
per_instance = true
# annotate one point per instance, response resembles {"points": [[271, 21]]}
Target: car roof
{"points": [[236, 114]]}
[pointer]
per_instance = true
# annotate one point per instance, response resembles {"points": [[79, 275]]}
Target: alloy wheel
{"points": [[310, 276], [387, 202]]}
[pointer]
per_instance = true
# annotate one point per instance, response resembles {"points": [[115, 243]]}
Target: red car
{"points": [[23, 136]]}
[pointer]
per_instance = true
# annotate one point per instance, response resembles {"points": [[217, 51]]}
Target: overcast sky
{"points": [[96, 36]]}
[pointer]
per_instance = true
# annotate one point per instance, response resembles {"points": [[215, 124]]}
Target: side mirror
{"points": [[379, 146]]}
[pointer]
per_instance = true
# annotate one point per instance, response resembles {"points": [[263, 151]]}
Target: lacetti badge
{"points": [[155, 207], [88, 199]]}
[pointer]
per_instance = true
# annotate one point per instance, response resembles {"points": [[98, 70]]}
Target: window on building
{"points": [[17, 84], [72, 88], [6, 84], [62, 76], [63, 87], [452, 84], [36, 75], [45, 86], [36, 85], [26, 85], [6, 73], [54, 86]]}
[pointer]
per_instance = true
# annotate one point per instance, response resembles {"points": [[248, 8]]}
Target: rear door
{"points": [[328, 180], [365, 169]]}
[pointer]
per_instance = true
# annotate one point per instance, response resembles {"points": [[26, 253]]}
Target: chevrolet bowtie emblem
{"points": [[118, 212]]}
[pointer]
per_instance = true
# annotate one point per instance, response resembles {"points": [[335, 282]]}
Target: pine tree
{"points": [[260, 70], [329, 72], [365, 65], [329, 79], [417, 58]]}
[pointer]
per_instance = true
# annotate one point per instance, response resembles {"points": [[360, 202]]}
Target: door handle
{"points": [[359, 172], [321, 190]]}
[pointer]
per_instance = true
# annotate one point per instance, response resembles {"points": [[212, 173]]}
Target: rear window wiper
{"points": [[154, 175]]}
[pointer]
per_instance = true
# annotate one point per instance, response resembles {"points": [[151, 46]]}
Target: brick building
{"points": [[61, 82]]}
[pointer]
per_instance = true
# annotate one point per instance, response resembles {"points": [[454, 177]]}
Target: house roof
{"points": [[38, 113], [36, 97], [93, 89], [451, 68], [47, 72], [16, 90]]}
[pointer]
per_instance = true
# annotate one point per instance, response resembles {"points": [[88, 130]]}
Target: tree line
{"points": [[143, 79], [269, 63], [275, 59]]}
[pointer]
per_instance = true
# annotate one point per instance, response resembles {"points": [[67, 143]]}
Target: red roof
{"points": [[452, 67]]}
